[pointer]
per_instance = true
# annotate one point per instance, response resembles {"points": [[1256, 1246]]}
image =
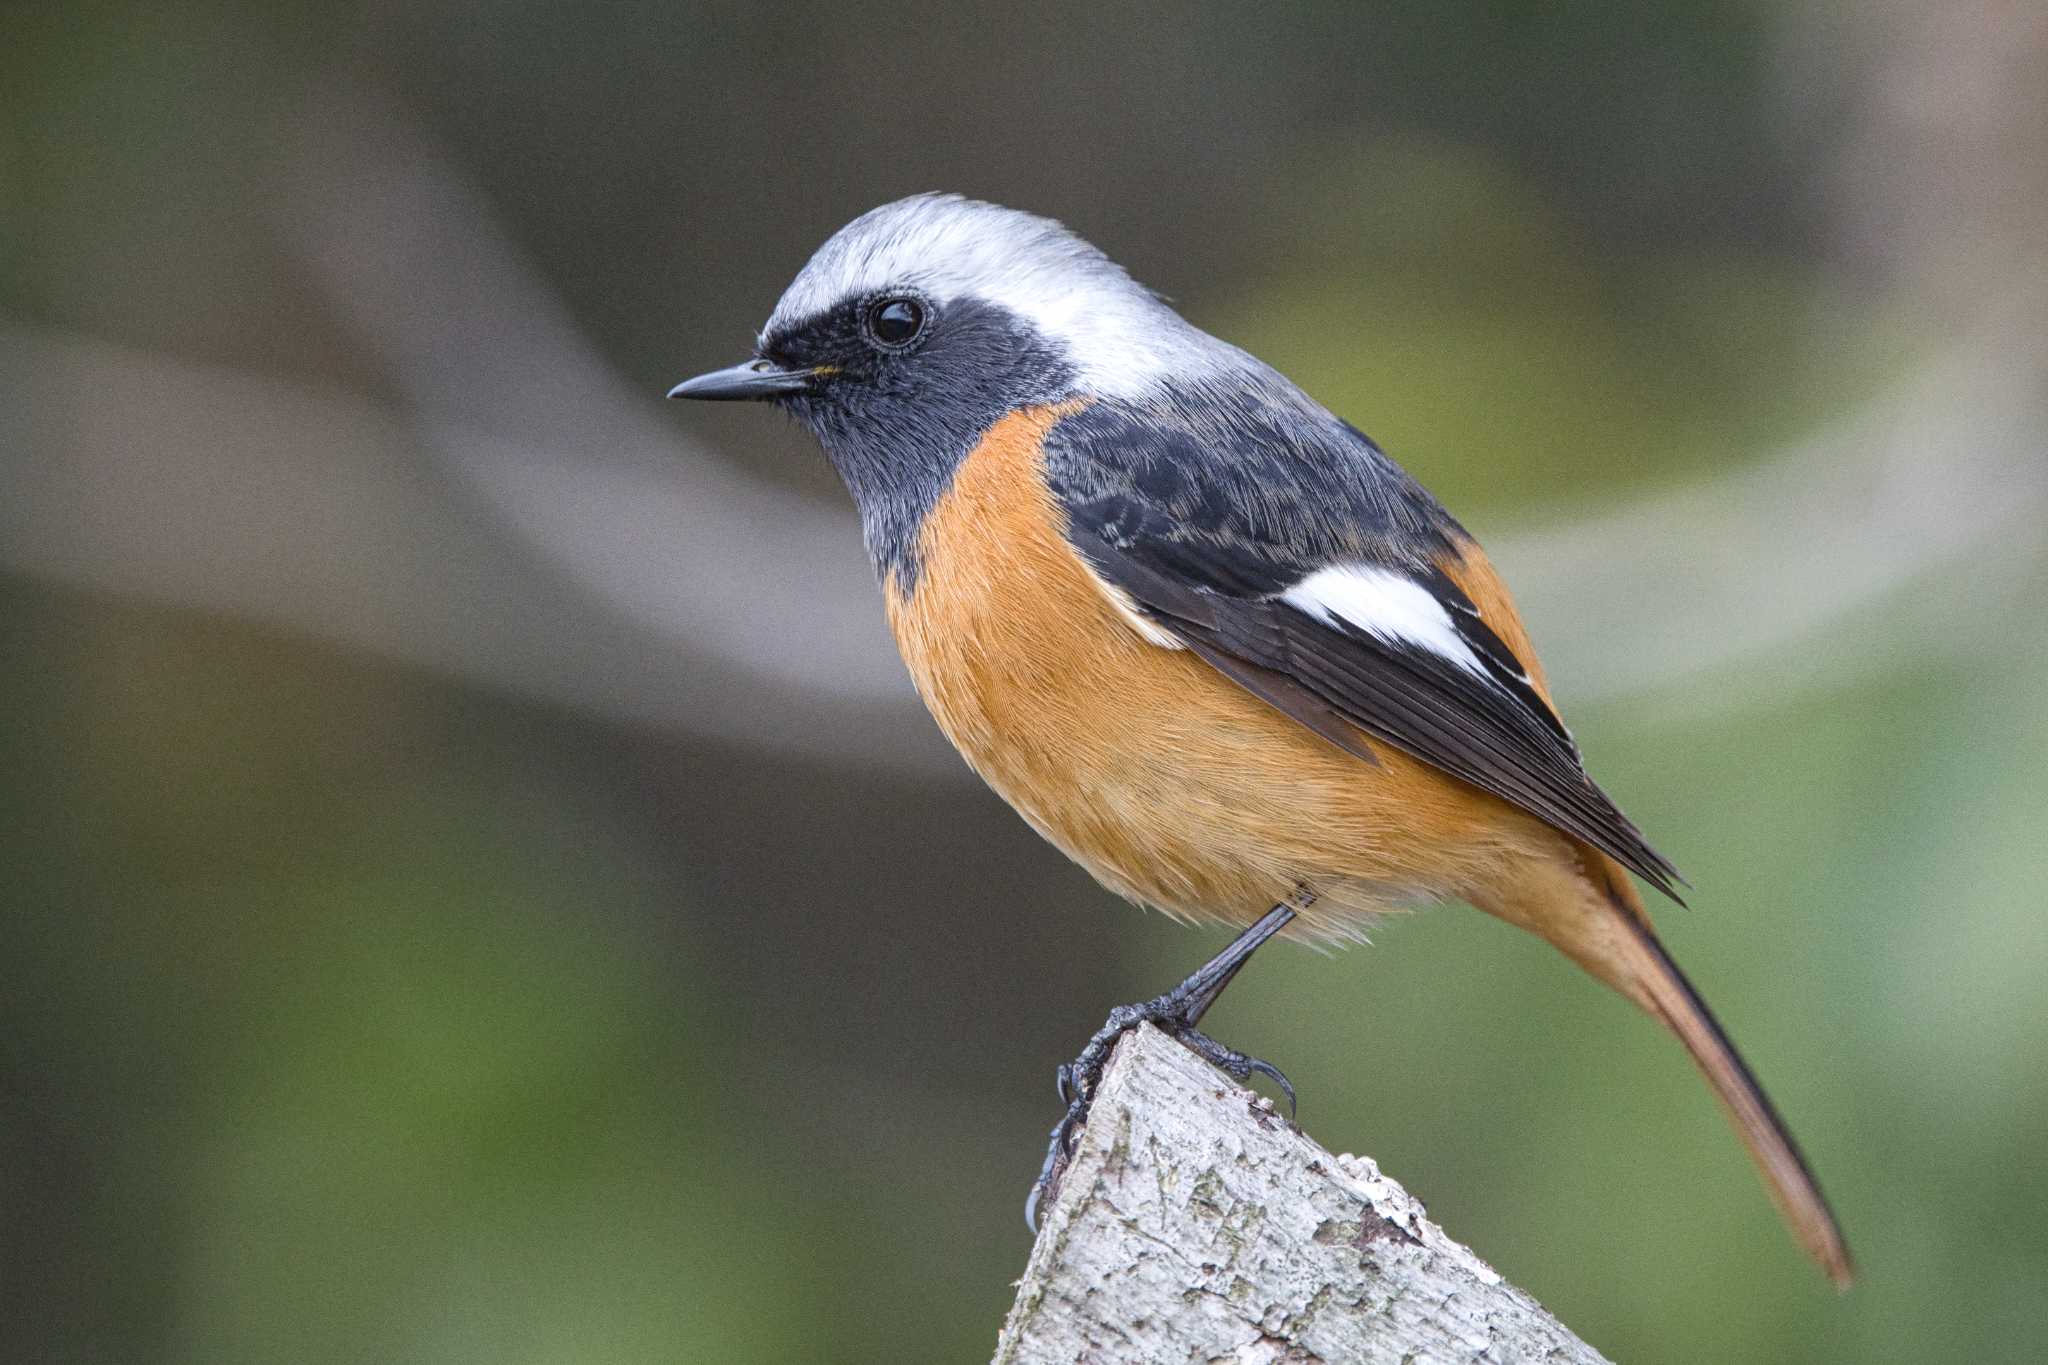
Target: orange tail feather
{"points": [[1654, 981]]}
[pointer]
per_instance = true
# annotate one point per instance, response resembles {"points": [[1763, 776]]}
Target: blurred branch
{"points": [[1946, 470], [528, 418], [1195, 1224], [176, 482]]}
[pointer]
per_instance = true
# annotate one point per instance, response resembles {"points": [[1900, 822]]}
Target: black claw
{"points": [[1076, 1080], [1237, 1065], [1286, 1086], [1056, 1153], [1177, 1012], [1277, 1077]]}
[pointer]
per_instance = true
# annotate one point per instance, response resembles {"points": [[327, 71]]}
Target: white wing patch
{"points": [[1384, 603]]}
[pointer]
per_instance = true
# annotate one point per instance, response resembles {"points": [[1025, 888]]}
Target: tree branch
{"points": [[1196, 1224]]}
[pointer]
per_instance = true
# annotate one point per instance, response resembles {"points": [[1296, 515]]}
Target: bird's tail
{"points": [[1637, 965]]}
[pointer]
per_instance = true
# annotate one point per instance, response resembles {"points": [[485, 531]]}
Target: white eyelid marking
{"points": [[1384, 603]]}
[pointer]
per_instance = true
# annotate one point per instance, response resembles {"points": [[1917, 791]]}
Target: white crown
{"points": [[1120, 338]]}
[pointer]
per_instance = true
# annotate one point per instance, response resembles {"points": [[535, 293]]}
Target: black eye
{"points": [[895, 322]]}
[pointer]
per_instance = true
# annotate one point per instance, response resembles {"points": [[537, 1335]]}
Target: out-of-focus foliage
{"points": [[352, 1012]]}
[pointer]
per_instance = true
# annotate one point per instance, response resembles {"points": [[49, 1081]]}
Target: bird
{"points": [[1205, 636]]}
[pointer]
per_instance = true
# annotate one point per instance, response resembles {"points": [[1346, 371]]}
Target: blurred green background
{"points": [[479, 888]]}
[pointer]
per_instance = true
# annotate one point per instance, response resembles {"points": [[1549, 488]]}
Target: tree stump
{"points": [[1195, 1223]]}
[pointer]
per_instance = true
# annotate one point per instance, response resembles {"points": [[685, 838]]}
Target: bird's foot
{"points": [[1173, 1014]]}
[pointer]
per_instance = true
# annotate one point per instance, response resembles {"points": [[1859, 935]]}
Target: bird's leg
{"points": [[1176, 1012]]}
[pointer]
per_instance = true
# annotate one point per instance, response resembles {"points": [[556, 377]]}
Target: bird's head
{"points": [[922, 323]]}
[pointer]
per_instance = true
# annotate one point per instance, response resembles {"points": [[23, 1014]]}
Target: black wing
{"points": [[1198, 562]]}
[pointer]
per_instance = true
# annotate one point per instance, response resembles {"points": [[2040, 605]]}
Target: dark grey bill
{"points": [[756, 379]]}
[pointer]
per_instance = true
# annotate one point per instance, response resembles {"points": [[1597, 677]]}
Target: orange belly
{"points": [[1170, 784]]}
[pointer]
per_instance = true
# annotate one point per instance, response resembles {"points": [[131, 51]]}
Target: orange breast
{"points": [[1169, 783]]}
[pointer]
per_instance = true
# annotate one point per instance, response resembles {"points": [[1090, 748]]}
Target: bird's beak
{"points": [[754, 380]]}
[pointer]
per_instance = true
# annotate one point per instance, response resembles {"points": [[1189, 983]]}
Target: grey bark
{"points": [[1195, 1223]]}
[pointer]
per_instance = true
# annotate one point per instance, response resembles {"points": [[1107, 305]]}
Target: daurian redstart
{"points": [[1205, 636]]}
